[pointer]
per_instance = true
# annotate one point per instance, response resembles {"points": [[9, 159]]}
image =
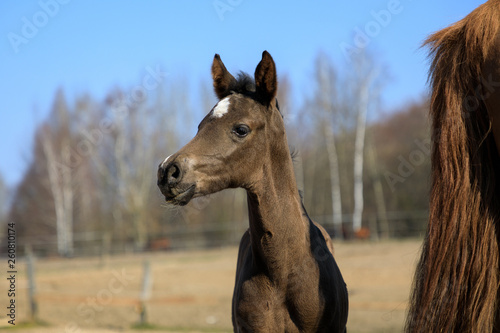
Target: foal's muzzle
{"points": [[169, 181]]}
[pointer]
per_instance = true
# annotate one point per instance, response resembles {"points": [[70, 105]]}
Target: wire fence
{"points": [[396, 224]]}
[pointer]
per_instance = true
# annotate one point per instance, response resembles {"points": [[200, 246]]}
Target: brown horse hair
{"points": [[456, 283]]}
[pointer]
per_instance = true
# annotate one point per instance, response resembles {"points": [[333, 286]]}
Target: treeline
{"points": [[90, 187]]}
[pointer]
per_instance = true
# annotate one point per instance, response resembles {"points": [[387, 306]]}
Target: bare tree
{"points": [[129, 168], [326, 98], [382, 227], [144, 127], [56, 144], [4, 194], [366, 75]]}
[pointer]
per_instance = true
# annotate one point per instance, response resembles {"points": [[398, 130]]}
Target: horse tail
{"points": [[456, 283]]}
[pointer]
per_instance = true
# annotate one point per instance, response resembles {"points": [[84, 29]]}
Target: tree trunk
{"points": [[382, 226], [334, 181], [62, 192], [359, 145]]}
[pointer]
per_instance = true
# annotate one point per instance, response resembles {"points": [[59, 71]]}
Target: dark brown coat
{"points": [[287, 279]]}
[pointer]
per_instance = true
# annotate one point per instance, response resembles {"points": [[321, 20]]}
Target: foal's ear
{"points": [[266, 83], [223, 80]]}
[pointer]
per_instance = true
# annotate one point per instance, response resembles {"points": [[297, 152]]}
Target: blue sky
{"points": [[93, 46]]}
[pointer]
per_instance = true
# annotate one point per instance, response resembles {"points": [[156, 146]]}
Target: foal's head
{"points": [[235, 141]]}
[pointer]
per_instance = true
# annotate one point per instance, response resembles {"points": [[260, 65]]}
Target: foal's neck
{"points": [[278, 229]]}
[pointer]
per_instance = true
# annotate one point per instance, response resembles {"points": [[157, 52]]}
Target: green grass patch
{"points": [[28, 324]]}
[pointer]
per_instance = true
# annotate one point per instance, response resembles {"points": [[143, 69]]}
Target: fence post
{"points": [[146, 292], [31, 284]]}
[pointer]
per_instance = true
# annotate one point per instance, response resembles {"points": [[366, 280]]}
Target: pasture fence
{"points": [[397, 224]]}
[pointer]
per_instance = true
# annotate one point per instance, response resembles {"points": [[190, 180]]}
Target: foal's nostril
{"points": [[173, 174]]}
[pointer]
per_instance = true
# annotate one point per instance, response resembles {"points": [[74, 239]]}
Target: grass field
{"points": [[191, 291]]}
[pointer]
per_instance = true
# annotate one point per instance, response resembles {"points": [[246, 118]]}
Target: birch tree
{"points": [[56, 145], [326, 97], [129, 155], [126, 165], [382, 227], [366, 75]]}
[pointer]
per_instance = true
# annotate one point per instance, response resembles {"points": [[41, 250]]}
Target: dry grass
{"points": [[192, 290]]}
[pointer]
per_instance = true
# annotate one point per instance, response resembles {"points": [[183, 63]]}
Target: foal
{"points": [[286, 278]]}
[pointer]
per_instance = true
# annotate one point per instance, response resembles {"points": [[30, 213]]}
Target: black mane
{"points": [[244, 84]]}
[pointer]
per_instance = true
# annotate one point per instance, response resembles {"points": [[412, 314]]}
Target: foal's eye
{"points": [[241, 130]]}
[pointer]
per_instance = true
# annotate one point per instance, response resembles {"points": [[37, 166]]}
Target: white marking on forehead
{"points": [[221, 108]]}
